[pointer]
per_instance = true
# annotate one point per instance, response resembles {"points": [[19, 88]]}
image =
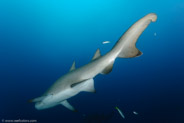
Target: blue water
{"points": [[39, 40]]}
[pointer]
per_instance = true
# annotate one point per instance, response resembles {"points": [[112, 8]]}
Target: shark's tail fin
{"points": [[126, 46]]}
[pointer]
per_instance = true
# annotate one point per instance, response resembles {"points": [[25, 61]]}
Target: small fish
{"points": [[105, 42], [155, 34], [135, 112], [120, 112]]}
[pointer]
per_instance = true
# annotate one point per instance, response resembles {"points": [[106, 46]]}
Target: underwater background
{"points": [[40, 39]]}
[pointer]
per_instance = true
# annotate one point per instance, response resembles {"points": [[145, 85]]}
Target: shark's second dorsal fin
{"points": [[97, 54], [73, 66]]}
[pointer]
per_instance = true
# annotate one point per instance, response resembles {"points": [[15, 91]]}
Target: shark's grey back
{"points": [[124, 48]]}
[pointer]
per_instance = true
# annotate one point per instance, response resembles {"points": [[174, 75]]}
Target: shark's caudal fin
{"points": [[126, 46]]}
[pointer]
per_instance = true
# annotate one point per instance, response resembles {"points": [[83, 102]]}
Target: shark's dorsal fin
{"points": [[108, 69], [97, 54], [73, 66], [85, 85], [68, 106]]}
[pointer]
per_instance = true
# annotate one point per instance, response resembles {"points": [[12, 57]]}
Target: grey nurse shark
{"points": [[81, 79]]}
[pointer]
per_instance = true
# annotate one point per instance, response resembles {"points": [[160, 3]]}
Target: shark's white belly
{"points": [[56, 99]]}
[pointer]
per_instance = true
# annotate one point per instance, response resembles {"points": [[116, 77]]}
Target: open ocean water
{"points": [[40, 39]]}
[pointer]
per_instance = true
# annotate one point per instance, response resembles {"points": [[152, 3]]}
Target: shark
{"points": [[82, 78]]}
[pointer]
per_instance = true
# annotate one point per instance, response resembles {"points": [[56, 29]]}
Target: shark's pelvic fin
{"points": [[108, 69], [97, 54], [67, 105], [85, 85], [73, 66]]}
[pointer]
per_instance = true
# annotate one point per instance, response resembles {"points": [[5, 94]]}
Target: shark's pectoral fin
{"points": [[85, 85], [89, 86], [67, 105], [108, 69], [73, 66], [97, 54]]}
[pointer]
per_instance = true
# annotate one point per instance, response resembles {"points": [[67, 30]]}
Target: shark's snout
{"points": [[45, 103], [40, 105]]}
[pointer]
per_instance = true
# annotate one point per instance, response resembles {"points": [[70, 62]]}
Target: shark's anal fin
{"points": [[73, 66], [85, 85], [108, 69], [97, 54], [68, 106]]}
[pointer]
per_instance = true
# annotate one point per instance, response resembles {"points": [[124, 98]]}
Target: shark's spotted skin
{"points": [[81, 79]]}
